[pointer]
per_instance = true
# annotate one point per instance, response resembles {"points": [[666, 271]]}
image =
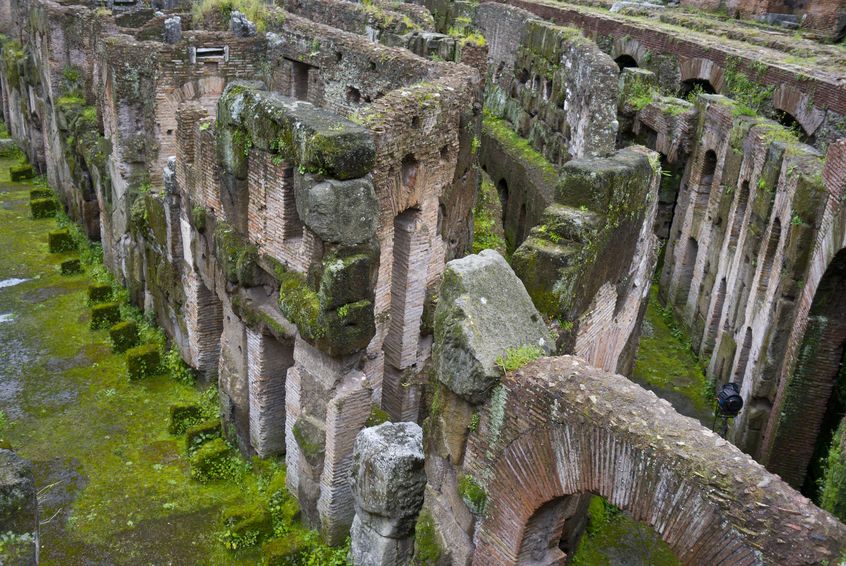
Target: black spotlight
{"points": [[729, 404], [729, 401]]}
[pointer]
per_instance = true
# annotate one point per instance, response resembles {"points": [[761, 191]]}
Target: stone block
{"points": [[43, 207], [483, 311], [104, 315], [199, 434], [21, 172], [60, 241], [184, 416], [342, 212], [99, 293], [143, 361], [71, 267], [124, 335]]}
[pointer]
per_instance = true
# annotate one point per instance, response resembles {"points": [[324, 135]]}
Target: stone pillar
{"points": [[18, 511], [387, 481], [268, 361]]}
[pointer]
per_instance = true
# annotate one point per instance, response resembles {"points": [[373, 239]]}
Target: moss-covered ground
{"points": [[667, 365], [115, 486], [612, 538]]}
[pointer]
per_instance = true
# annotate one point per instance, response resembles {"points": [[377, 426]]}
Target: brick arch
{"points": [[631, 47], [561, 428], [698, 68], [205, 90], [569, 460], [800, 106]]}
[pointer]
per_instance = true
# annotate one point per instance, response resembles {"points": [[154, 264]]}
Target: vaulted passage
{"points": [[815, 401]]}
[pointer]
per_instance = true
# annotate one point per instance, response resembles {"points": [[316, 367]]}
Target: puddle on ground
{"points": [[12, 282], [7, 317]]}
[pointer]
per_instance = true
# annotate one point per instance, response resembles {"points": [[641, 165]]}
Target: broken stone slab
{"points": [[343, 212], [173, 30], [18, 511], [388, 479], [483, 311], [240, 25]]}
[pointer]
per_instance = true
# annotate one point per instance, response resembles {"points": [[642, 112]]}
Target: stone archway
{"points": [[697, 70], [560, 428]]}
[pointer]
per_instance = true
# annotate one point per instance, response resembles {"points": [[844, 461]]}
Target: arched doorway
{"points": [[790, 122], [815, 399], [696, 85], [625, 62]]}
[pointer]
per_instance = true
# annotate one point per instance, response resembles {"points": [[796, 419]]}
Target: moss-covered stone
{"points": [[201, 433], [124, 335], [310, 435], [99, 293], [472, 493], [377, 416], [312, 139], [183, 416], [237, 256], [71, 266], [246, 525], [60, 241], [143, 361], [40, 192], [104, 315], [427, 546], [21, 172], [43, 207], [213, 461], [285, 551], [299, 303], [346, 280]]}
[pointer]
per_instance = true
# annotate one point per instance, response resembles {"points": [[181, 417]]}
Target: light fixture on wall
{"points": [[729, 404]]}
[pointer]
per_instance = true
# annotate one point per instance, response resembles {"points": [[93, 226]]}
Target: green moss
{"points": [[43, 207], [310, 446], [183, 416], [665, 358], [300, 304], [246, 525], [285, 551], [427, 546], [377, 416], [143, 361], [215, 461], [201, 433], [104, 315], [124, 335], [472, 493], [833, 481], [610, 533], [60, 241], [99, 293], [487, 221], [515, 358], [198, 218], [70, 266], [237, 256], [500, 130]]}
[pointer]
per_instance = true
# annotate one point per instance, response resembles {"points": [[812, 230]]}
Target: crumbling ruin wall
{"points": [[288, 256], [550, 96], [814, 97], [750, 209], [509, 456]]}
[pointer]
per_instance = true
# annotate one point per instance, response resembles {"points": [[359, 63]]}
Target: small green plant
{"points": [[474, 422], [175, 366], [515, 358]]}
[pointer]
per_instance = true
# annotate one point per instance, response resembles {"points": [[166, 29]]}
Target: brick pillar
{"points": [[203, 314], [411, 251], [268, 361]]}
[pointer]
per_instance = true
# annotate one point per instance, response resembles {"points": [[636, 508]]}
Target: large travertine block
{"points": [[483, 311]]}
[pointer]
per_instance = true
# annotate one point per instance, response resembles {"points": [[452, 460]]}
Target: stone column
{"points": [[387, 480]]}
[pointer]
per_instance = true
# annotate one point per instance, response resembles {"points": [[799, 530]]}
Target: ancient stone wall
{"points": [[509, 456]]}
